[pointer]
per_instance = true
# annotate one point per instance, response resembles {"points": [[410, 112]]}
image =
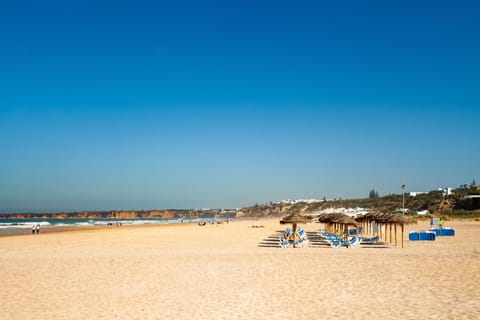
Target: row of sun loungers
{"points": [[332, 239], [301, 238], [336, 241]]}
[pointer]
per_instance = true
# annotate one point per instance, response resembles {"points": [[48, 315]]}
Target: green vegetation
{"points": [[465, 215], [373, 194], [454, 206]]}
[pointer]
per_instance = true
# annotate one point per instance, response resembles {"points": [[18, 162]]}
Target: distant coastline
{"points": [[126, 214]]}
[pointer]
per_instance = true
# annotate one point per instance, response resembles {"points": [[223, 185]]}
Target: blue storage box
{"points": [[427, 235], [448, 232], [413, 236], [438, 231]]}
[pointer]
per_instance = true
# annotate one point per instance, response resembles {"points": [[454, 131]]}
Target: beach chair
{"points": [[354, 241], [336, 242], [284, 243], [301, 235], [369, 240]]}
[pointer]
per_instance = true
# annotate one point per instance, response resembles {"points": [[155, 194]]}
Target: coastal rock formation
{"points": [[121, 214]]}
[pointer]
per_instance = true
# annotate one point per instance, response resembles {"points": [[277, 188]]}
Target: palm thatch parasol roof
{"points": [[398, 219], [346, 220], [294, 218], [337, 218]]}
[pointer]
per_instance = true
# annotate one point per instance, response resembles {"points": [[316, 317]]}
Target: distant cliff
{"points": [[131, 214]]}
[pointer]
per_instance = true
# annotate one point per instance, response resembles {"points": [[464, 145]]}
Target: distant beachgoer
{"points": [[440, 223], [33, 229], [38, 228]]}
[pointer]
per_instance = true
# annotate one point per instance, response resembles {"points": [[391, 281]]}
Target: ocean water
{"points": [[23, 226]]}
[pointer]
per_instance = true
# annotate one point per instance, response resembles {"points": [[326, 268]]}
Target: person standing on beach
{"points": [[440, 223], [33, 229], [38, 228]]}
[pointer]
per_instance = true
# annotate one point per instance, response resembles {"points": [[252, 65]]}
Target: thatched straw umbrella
{"points": [[327, 220], [333, 221], [384, 220], [339, 222], [323, 217], [400, 220], [362, 220], [346, 221], [370, 218], [294, 219]]}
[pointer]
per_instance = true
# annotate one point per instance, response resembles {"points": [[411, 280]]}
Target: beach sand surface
{"points": [[235, 271]]}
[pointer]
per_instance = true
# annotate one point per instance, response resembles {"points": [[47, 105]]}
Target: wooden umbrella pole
{"points": [[395, 234], [402, 236], [345, 234], [294, 234], [390, 232]]}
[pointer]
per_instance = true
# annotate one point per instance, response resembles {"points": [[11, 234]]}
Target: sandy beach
{"points": [[232, 271]]}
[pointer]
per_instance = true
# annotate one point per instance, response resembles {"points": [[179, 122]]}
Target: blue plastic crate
{"points": [[427, 235], [413, 236], [448, 232], [438, 231]]}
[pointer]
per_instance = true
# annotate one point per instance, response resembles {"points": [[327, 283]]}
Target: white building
{"points": [[472, 196], [416, 193], [446, 191], [309, 201]]}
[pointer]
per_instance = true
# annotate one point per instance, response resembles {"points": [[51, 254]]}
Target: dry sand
{"points": [[229, 272]]}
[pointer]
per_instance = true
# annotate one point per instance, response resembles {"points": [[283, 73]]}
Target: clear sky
{"points": [[201, 104]]}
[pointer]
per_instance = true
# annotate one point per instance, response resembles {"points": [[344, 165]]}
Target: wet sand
{"points": [[234, 271]]}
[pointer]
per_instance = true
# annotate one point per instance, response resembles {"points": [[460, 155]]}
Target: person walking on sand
{"points": [[33, 229], [440, 223], [38, 228]]}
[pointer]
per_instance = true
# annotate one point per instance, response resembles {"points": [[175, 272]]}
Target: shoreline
{"points": [[60, 229]]}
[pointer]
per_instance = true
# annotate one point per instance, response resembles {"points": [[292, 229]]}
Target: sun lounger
{"points": [[369, 240], [301, 238], [285, 244], [336, 241]]}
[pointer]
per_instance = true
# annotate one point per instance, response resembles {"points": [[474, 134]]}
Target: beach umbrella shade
{"points": [[384, 220], [325, 218], [294, 219], [345, 221], [401, 220], [370, 218], [377, 217]]}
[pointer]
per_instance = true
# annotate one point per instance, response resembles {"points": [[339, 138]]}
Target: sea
{"points": [[24, 226]]}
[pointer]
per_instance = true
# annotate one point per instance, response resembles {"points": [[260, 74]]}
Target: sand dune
{"points": [[229, 271]]}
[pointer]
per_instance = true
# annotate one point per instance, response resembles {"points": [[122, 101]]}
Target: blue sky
{"points": [[143, 105]]}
